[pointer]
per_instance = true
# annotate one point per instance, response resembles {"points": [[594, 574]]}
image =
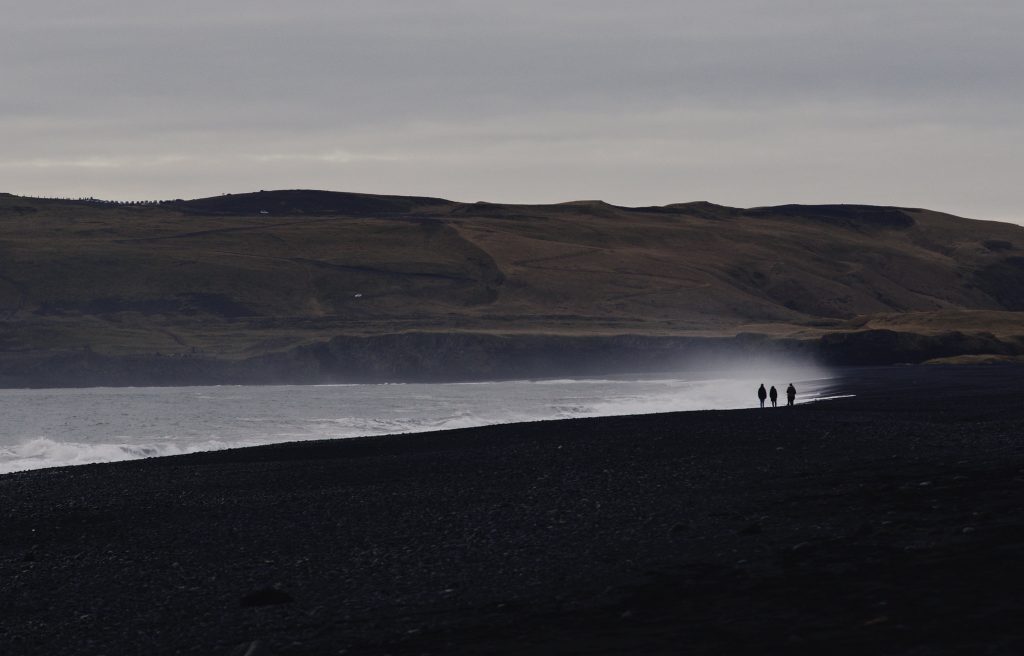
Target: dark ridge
{"points": [[998, 245], [517, 210], [305, 202], [844, 216], [873, 347], [585, 204], [657, 209], [1004, 281], [479, 208], [701, 208]]}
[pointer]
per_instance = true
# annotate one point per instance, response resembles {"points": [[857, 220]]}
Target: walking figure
{"points": [[790, 394], [761, 394], [773, 394]]}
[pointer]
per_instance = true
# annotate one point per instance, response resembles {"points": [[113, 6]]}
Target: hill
{"points": [[314, 285]]}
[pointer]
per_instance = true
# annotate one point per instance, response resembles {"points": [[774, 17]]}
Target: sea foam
{"points": [[41, 452], [56, 427]]}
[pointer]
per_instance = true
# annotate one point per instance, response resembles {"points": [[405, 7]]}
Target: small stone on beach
{"points": [[266, 597]]}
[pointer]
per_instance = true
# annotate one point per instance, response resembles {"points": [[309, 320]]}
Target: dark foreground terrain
{"points": [[889, 523]]}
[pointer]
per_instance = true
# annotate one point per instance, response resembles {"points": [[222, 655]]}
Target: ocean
{"points": [[57, 427]]}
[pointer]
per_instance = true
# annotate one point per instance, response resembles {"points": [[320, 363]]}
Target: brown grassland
{"points": [[242, 276]]}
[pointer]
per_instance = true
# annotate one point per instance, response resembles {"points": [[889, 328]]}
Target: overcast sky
{"points": [[739, 102]]}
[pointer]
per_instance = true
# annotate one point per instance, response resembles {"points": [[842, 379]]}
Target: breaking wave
{"points": [[51, 428], [41, 452]]}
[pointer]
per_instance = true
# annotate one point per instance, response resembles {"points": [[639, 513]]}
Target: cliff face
{"points": [[439, 357], [302, 285]]}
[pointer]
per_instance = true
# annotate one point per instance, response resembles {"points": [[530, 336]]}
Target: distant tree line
{"points": [[100, 201]]}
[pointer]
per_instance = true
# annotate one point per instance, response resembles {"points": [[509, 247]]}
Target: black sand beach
{"points": [[888, 523]]}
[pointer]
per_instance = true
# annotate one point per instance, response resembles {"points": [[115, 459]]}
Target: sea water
{"points": [[54, 427]]}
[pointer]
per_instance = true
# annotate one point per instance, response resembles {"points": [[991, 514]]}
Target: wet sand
{"points": [[892, 522]]}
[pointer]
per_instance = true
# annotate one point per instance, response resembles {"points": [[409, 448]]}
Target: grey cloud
{"points": [[739, 101]]}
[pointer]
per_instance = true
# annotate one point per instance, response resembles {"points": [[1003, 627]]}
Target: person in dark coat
{"points": [[773, 394], [761, 394], [790, 394]]}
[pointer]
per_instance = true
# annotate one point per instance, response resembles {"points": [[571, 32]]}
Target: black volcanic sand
{"points": [[890, 523]]}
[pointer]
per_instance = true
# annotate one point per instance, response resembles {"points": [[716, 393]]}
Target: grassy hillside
{"points": [[245, 275]]}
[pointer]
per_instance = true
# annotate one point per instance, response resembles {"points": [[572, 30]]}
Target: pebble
{"points": [[266, 597], [257, 648]]}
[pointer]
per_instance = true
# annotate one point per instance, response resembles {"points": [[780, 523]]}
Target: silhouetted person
{"points": [[773, 394], [761, 394], [790, 394]]}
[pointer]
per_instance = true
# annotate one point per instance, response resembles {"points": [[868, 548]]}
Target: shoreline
{"points": [[837, 527], [117, 424]]}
